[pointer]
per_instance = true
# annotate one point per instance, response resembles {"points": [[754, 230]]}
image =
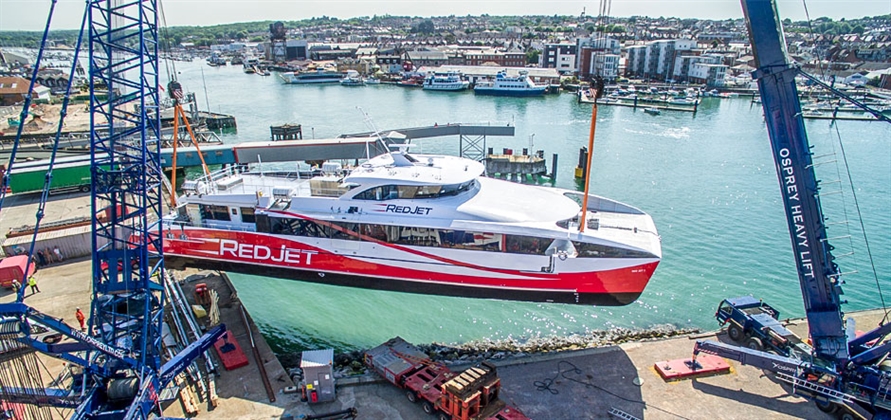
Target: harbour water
{"points": [[707, 179]]}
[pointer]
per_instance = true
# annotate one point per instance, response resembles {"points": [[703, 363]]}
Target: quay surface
{"points": [[580, 384]]}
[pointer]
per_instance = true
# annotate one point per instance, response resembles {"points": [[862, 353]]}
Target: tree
{"points": [[532, 56], [426, 27]]}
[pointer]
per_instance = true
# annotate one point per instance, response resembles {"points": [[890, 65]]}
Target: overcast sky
{"points": [[32, 14]]}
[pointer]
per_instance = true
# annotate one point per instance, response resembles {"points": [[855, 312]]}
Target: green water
{"points": [[707, 179]]}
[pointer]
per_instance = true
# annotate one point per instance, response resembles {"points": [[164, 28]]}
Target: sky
{"points": [[32, 14]]}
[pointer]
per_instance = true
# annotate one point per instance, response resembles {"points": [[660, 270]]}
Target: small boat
{"points": [[652, 111], [413, 81], [445, 81], [250, 65], [320, 75], [371, 80], [505, 85], [352, 79]]}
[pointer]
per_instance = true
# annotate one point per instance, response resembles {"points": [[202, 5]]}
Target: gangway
{"points": [[471, 137]]}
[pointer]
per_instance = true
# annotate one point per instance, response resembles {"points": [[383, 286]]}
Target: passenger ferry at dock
{"points": [[505, 85], [316, 76], [415, 223], [445, 81]]}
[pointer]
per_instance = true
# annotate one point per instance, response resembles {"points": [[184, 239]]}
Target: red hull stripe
{"points": [[274, 251]]}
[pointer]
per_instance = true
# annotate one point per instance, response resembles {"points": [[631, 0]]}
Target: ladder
{"points": [[830, 393], [615, 412]]}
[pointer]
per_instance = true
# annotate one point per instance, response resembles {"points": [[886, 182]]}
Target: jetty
{"points": [[640, 102]]}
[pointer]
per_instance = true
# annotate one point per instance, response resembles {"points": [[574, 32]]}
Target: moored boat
{"points": [[319, 75], [445, 81], [416, 223], [504, 85], [352, 78]]}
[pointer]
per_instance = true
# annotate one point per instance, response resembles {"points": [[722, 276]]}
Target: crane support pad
{"points": [[230, 352], [677, 369]]}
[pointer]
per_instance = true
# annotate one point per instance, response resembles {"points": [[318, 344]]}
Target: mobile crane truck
{"points": [[837, 371], [470, 395]]}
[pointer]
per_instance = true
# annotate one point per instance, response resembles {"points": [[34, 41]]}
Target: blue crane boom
{"points": [[122, 351], [817, 272], [836, 371]]}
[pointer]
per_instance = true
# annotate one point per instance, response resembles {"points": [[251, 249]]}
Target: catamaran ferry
{"points": [[415, 223]]}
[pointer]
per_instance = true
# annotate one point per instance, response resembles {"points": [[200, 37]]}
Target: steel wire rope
{"points": [[4, 183], [810, 28], [48, 177], [545, 385], [862, 226], [46, 369]]}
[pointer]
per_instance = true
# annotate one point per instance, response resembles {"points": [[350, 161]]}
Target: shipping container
{"points": [[69, 174], [73, 242]]}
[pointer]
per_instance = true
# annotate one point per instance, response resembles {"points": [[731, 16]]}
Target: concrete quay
{"points": [[582, 384]]}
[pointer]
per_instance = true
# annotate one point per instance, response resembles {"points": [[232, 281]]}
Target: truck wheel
{"points": [[429, 408], [411, 396], [84, 188], [444, 416], [844, 414], [735, 333], [754, 343], [826, 406]]}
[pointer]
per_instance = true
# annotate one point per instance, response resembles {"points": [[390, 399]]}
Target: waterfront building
{"points": [[707, 68], [656, 60], [500, 58], [389, 63], [560, 56], [598, 57], [428, 58]]}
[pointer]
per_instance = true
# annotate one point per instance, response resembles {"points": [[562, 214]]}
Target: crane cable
{"points": [[851, 183], [813, 33], [4, 183], [862, 227], [63, 111]]}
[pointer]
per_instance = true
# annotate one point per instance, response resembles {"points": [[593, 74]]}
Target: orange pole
{"points": [[583, 222], [175, 142], [194, 140]]}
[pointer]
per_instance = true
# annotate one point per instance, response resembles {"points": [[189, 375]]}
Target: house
{"points": [[13, 90]]}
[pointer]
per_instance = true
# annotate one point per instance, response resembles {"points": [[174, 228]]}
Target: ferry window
{"points": [[247, 215], [262, 223], [604, 251], [378, 232], [385, 192], [209, 212], [405, 191], [343, 231], [298, 227], [428, 191], [471, 240], [519, 244], [414, 236]]}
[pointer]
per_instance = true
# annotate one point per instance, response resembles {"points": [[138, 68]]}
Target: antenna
{"points": [[370, 123]]}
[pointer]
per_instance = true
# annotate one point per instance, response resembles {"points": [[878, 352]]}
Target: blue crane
{"points": [[837, 370], [121, 355]]}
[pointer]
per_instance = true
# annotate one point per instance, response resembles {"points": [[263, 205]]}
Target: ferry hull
{"points": [[512, 93], [428, 270], [405, 286]]}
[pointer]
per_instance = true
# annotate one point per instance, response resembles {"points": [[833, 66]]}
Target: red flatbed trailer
{"points": [[472, 395]]}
